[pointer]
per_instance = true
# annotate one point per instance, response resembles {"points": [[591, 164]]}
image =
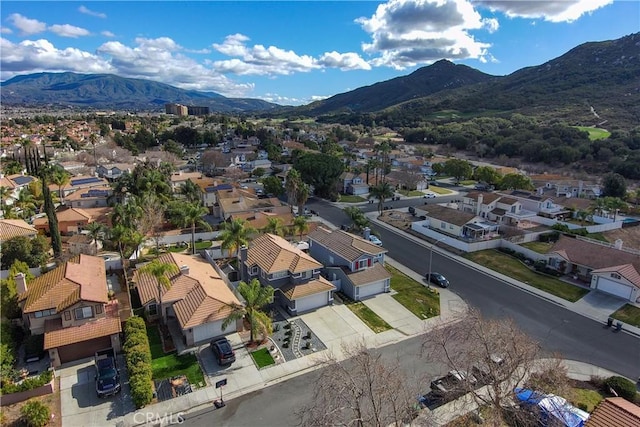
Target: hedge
{"points": [[28, 384], [623, 387], [36, 413], [137, 354]]}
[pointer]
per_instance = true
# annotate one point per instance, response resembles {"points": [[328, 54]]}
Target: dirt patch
{"points": [[11, 416], [630, 237], [397, 219]]}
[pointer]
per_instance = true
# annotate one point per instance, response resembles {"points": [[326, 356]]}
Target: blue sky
{"points": [[294, 52]]}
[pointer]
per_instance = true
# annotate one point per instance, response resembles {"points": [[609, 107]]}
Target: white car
{"points": [[429, 196], [374, 239]]}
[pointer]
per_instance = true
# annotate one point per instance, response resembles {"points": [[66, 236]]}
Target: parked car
{"points": [[107, 377], [223, 351], [429, 196], [374, 239], [438, 279]]}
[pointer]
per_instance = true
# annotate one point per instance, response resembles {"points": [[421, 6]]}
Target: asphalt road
{"points": [[560, 331]]}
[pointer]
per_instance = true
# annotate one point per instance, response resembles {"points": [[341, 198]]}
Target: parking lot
{"points": [[79, 402]]}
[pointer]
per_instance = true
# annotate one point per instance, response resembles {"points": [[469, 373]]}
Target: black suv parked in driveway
{"points": [[223, 351]]}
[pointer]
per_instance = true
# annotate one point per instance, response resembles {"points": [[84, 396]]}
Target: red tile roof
{"points": [[615, 412], [57, 336]]}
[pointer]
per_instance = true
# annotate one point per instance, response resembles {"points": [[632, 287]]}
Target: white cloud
{"points": [[405, 33], [25, 25], [107, 34], [549, 10], [5, 30], [66, 30], [282, 100], [87, 11], [261, 60]]}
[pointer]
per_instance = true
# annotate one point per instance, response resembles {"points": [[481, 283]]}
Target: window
{"points": [[443, 225], [616, 276], [361, 264], [279, 275], [98, 309], [153, 309], [254, 270], [83, 313], [44, 313], [67, 315], [330, 259]]}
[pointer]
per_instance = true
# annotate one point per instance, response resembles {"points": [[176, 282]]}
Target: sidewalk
{"points": [[598, 309]]}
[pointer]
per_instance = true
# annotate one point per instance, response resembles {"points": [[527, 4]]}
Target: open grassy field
{"points": [[595, 133], [422, 301], [513, 268]]}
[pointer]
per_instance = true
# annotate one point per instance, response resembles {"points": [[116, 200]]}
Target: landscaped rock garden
{"points": [[295, 339]]}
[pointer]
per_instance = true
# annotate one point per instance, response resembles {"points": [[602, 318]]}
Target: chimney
{"points": [[366, 233], [479, 204], [21, 283], [184, 270], [617, 244]]}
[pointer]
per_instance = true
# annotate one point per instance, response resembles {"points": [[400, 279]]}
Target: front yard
{"points": [[439, 190], [364, 313], [348, 198], [629, 314], [262, 357], [513, 268], [167, 365], [422, 301]]}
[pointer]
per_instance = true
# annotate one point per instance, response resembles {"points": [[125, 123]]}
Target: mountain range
{"points": [[594, 81]]}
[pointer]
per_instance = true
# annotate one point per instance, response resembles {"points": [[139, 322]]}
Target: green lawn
{"points": [[170, 365], [589, 399], [368, 316], [348, 198], [468, 182], [595, 133], [513, 268], [629, 314], [203, 245], [439, 190], [540, 247], [262, 357], [417, 298]]}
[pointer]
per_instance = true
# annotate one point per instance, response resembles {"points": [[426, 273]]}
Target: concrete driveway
{"points": [[240, 374], [80, 404], [599, 305]]}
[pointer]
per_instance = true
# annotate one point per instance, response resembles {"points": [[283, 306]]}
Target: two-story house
{"points": [[70, 306], [353, 184], [294, 274], [113, 171], [199, 300], [455, 222], [97, 197], [499, 208], [10, 228], [352, 263], [540, 204]]}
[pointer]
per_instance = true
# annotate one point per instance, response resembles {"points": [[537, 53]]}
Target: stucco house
{"points": [[97, 197], [352, 263], [353, 184], [113, 171], [70, 306], [294, 274], [613, 270], [74, 220], [198, 299], [455, 222], [10, 228]]}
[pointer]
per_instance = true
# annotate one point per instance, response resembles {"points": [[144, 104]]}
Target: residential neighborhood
{"points": [[225, 241]]}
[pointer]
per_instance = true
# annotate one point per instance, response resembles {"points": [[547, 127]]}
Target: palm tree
{"points": [[96, 232], [191, 192], [300, 225], [60, 177], [161, 271], [302, 194], [274, 226], [255, 296], [359, 219], [192, 216], [381, 192], [235, 234], [26, 203], [291, 187]]}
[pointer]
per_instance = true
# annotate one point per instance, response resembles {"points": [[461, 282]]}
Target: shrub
{"points": [[28, 384], [141, 390], [35, 413], [622, 386], [134, 323], [135, 340]]}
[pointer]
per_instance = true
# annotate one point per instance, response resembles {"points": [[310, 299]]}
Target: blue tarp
{"points": [[555, 406]]}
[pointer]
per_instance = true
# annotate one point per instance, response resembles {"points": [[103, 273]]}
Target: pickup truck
{"points": [[107, 377]]}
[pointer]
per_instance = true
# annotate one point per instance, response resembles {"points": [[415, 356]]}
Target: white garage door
{"points": [[311, 302], [370, 290], [614, 288], [209, 330]]}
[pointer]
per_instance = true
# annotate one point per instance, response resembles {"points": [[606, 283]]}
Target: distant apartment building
{"points": [[176, 109], [184, 110]]}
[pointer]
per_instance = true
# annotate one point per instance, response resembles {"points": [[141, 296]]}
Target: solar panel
{"points": [[21, 180], [95, 193], [83, 181]]}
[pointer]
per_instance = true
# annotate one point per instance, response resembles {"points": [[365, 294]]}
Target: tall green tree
{"points": [[191, 192], [192, 216], [34, 252], [300, 225], [516, 181], [382, 191], [614, 185], [96, 232], [459, 169], [274, 226], [60, 177], [359, 219], [322, 171], [272, 185], [292, 185], [26, 203], [256, 297], [487, 174], [8, 290], [235, 234], [161, 272]]}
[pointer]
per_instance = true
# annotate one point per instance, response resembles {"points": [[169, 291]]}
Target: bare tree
{"points": [[212, 160], [487, 359], [362, 390], [152, 219]]}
